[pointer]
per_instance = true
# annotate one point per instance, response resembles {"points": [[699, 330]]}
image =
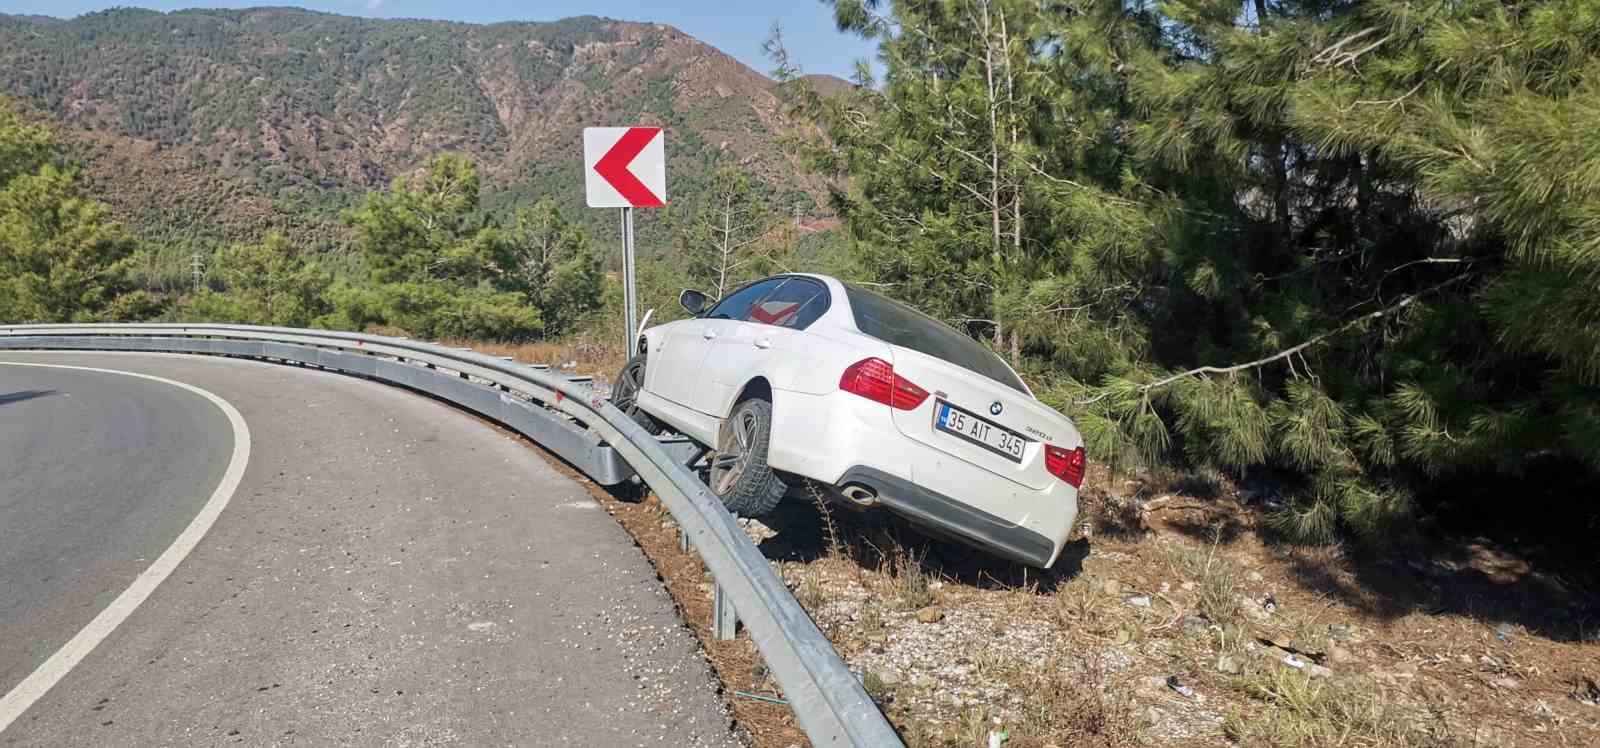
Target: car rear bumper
{"points": [[939, 512], [839, 438]]}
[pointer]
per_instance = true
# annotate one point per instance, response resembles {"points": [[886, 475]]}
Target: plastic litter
{"points": [[1588, 691], [1294, 662], [1270, 604], [759, 697], [1178, 685]]}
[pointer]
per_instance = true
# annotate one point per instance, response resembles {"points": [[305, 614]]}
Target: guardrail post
{"points": [[724, 619]]}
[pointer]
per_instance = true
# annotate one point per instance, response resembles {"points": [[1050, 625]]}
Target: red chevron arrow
{"points": [[613, 167]]}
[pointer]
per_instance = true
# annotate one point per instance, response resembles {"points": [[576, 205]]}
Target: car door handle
{"points": [[709, 334], [763, 343]]}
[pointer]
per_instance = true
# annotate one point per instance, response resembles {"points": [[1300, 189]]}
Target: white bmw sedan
{"points": [[803, 377]]}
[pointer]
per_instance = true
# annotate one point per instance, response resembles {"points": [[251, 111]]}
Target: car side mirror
{"points": [[694, 301]]}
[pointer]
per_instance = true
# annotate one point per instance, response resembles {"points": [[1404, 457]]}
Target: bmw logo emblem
{"points": [[995, 408]]}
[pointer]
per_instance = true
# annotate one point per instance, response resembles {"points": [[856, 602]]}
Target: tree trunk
{"points": [[727, 247], [1280, 170]]}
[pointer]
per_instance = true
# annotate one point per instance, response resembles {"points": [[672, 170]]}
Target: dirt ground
{"points": [[1171, 620]]}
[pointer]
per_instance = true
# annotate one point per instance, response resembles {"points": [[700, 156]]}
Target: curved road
{"points": [[389, 570]]}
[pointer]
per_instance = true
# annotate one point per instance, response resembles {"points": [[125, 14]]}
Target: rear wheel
{"points": [[625, 395], [739, 473]]}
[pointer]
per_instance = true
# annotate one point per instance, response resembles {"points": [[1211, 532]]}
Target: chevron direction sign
{"points": [[624, 167]]}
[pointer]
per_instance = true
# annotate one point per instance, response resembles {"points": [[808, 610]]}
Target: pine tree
{"points": [[728, 239], [62, 257], [432, 262], [270, 283], [552, 263]]}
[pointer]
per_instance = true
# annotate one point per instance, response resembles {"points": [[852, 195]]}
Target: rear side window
{"points": [[898, 324], [737, 304], [795, 304]]}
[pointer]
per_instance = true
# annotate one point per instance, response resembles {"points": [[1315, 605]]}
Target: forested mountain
{"points": [[202, 127]]}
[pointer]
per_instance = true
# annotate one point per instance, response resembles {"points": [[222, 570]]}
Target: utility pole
{"points": [[196, 269]]}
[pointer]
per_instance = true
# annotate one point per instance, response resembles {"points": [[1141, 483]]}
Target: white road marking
{"points": [[45, 677]]}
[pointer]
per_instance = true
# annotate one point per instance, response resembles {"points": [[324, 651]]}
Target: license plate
{"points": [[980, 431]]}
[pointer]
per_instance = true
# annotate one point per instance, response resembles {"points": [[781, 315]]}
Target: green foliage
{"points": [[62, 258], [435, 310], [728, 237], [551, 263], [439, 268], [426, 260], [1355, 244], [436, 269], [271, 283]]}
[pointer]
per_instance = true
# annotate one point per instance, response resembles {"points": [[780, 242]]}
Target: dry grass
{"points": [[1305, 711], [906, 579], [1079, 707], [1076, 604], [1217, 578], [810, 593], [601, 360]]}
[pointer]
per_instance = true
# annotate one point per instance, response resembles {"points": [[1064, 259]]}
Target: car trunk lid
{"points": [[979, 405]]}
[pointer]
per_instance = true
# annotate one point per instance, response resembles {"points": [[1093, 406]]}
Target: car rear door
{"points": [[768, 328]]}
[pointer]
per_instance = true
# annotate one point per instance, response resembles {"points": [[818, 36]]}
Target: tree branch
{"points": [[1285, 353]]}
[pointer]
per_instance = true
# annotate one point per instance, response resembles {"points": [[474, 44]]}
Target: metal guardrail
{"points": [[570, 419]]}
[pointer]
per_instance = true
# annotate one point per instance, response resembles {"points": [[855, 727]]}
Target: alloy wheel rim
{"points": [[628, 388], [727, 467]]}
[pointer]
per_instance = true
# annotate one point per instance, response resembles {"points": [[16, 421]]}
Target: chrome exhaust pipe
{"points": [[860, 495]]}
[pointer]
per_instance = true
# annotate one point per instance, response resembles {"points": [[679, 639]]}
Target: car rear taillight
{"points": [[874, 379], [1066, 464]]}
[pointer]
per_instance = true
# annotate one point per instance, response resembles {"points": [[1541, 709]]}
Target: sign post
{"points": [[626, 168], [630, 291]]}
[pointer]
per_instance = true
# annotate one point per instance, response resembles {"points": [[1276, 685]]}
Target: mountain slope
{"points": [[212, 124]]}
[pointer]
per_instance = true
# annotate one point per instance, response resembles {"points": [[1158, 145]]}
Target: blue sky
{"points": [[735, 26]]}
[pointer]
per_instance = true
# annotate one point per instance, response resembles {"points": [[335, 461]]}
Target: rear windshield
{"points": [[897, 324]]}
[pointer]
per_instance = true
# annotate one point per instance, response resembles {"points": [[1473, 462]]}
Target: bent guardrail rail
{"points": [[828, 702]]}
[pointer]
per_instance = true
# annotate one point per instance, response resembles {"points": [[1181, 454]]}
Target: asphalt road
{"points": [[389, 570]]}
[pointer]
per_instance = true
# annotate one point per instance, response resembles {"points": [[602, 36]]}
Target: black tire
{"points": [[625, 395], [741, 477]]}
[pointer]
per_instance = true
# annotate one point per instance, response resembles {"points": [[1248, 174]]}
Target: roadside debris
{"points": [[760, 697], [1178, 686], [1586, 690], [1195, 625]]}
